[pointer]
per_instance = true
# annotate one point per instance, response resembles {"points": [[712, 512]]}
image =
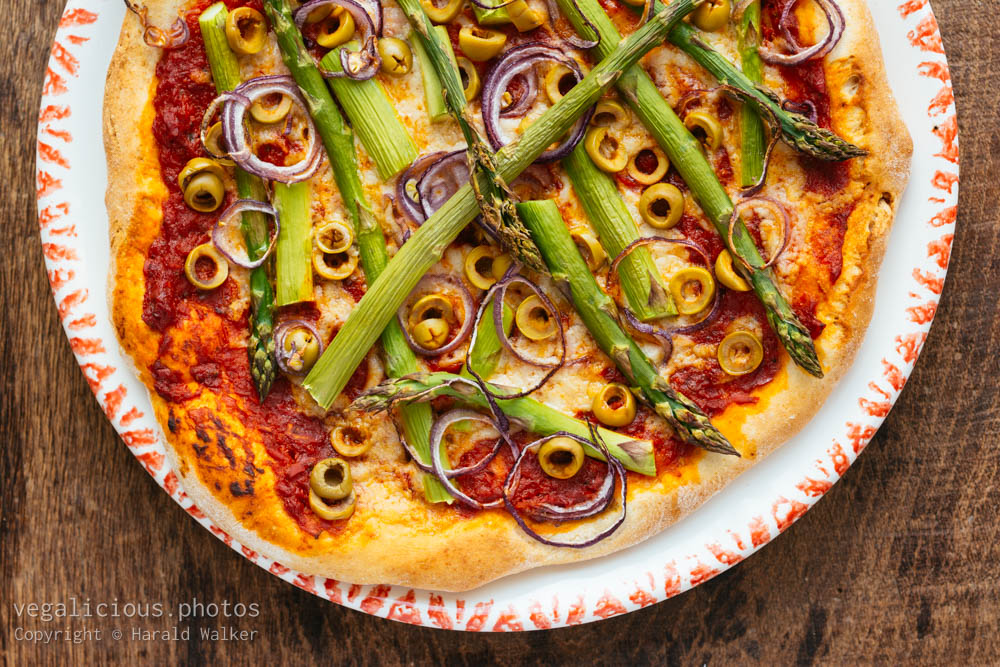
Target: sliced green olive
{"points": [[590, 248], [336, 29], [727, 275], [432, 306], [350, 441], [342, 510], [331, 479], [271, 108], [213, 144], [661, 205], [692, 289], [708, 124], [204, 192], [712, 15], [196, 166], [334, 237], [558, 81], [431, 333], [444, 13], [614, 405], [335, 266], [605, 149], [318, 14], [534, 320], [397, 58], [470, 78], [608, 113], [246, 31], [561, 457], [202, 254], [302, 348], [524, 17], [480, 44], [484, 265], [648, 165], [740, 353]]}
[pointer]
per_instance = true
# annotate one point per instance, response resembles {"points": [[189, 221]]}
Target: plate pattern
{"points": [[67, 227]]}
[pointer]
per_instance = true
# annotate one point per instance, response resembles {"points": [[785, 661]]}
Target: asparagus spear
{"points": [[485, 354], [496, 16], [339, 142], [751, 125], [293, 253], [373, 117], [686, 155], [433, 96], [616, 229], [425, 247], [798, 131], [636, 455], [260, 346], [597, 309]]}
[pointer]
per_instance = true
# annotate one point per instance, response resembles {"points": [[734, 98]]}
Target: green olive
{"points": [[484, 265], [318, 14], [336, 29], [480, 44], [712, 14], [271, 108], [197, 165], [605, 149], [431, 333], [213, 144], [648, 165], [614, 405], [334, 237], [558, 81], [350, 441], [590, 248], [561, 457], [470, 78], [524, 17], [443, 14], [335, 266], [342, 510], [208, 252], [740, 353], [432, 306], [727, 275], [246, 31], [302, 348], [692, 288], [204, 192], [661, 205], [708, 124], [331, 479], [397, 58], [608, 113], [534, 320]]}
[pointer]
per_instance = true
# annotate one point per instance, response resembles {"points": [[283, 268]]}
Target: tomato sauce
{"points": [[667, 449]]}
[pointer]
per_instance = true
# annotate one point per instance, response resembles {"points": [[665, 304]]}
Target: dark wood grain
{"points": [[899, 563]]}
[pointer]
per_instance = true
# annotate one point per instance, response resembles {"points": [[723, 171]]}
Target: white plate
{"points": [[745, 515]]}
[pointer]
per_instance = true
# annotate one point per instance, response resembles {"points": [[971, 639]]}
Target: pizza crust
{"points": [[395, 537]]}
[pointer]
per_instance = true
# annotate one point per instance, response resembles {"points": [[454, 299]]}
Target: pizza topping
{"points": [[648, 165], [692, 288], [397, 58], [205, 267], [351, 441], [712, 15], [212, 142], [480, 44], [271, 108], [469, 77], [246, 31], [534, 320], [727, 275], [614, 405], [521, 61], [778, 214], [174, 38], [443, 471], [428, 322], [297, 346], [201, 181], [605, 149], [708, 125], [800, 54], [442, 13], [334, 237], [591, 249], [407, 192], [608, 113], [661, 205], [523, 17], [335, 265], [335, 511], [561, 457], [330, 479], [228, 238], [740, 353], [335, 30], [441, 180], [486, 264]]}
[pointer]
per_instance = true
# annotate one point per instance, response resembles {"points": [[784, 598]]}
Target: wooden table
{"points": [[898, 563]]}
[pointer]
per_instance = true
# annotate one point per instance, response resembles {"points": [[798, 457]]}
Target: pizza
{"points": [[430, 292]]}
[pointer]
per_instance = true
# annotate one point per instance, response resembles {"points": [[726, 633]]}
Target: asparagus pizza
{"points": [[429, 292]]}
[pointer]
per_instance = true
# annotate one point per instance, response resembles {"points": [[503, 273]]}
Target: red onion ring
{"points": [[572, 38], [773, 205], [520, 106], [222, 232], [158, 38], [446, 476], [358, 65], [804, 108], [467, 323], [519, 60], [280, 332], [615, 470], [835, 21], [407, 204], [583, 509], [441, 180], [237, 103]]}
